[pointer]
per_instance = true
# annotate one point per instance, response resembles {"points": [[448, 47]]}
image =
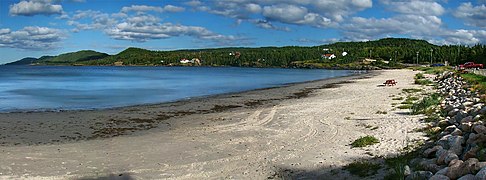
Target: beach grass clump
{"points": [[363, 168], [405, 106], [397, 98], [427, 105], [364, 141], [411, 90]]}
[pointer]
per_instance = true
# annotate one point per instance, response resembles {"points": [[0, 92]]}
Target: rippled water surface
{"points": [[27, 88]]}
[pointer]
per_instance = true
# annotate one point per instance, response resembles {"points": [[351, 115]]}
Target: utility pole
{"points": [[417, 57], [431, 51]]}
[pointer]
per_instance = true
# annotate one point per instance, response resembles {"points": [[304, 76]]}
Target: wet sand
{"points": [[300, 130]]}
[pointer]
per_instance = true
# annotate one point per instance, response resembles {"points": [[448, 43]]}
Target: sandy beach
{"points": [[298, 131]]}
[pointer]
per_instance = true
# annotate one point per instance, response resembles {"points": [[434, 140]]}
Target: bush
{"points": [[365, 141], [426, 106]]}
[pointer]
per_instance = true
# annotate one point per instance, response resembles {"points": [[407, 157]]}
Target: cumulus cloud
{"points": [[416, 7], [136, 29], [321, 14], [145, 8], [472, 15], [31, 38], [96, 19], [34, 7], [268, 25]]}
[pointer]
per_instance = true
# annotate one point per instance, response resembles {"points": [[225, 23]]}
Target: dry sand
{"points": [[298, 131]]}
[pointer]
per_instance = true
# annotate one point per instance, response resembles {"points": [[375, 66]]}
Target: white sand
{"points": [[299, 138]]}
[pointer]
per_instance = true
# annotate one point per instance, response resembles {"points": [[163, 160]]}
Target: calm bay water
{"points": [[34, 88]]}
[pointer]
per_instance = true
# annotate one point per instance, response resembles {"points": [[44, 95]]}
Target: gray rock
{"points": [[428, 153], [466, 127], [467, 119], [468, 177], [443, 123], [468, 103], [483, 110], [457, 168], [481, 174], [471, 153], [406, 170], [420, 175], [439, 177], [455, 144], [480, 129], [450, 157], [443, 171], [456, 132], [453, 112], [479, 166]]}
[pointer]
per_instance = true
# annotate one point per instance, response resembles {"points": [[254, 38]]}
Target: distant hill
{"points": [[62, 59], [24, 61], [73, 57]]}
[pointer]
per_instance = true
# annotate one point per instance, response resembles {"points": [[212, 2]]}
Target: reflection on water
{"points": [[29, 88]]}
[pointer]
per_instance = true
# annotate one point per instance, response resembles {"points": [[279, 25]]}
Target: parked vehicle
{"points": [[470, 65]]}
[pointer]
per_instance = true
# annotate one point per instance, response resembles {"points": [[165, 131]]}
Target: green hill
{"points": [[24, 61], [73, 57]]}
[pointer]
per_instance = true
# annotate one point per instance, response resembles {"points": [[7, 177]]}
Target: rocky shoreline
{"points": [[458, 149]]}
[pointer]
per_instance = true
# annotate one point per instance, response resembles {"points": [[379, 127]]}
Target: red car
{"points": [[470, 65]]}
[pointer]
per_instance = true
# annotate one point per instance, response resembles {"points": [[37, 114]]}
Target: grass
{"points": [[405, 106], [433, 70], [362, 168], [426, 105], [411, 90], [423, 82], [364, 141], [478, 82], [397, 98]]}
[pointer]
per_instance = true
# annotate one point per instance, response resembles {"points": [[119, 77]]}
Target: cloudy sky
{"points": [[50, 27]]}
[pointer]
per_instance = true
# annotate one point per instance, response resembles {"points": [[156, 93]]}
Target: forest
{"points": [[394, 50]]}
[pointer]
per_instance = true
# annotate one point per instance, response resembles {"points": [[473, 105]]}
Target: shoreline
{"points": [[301, 131], [102, 126]]}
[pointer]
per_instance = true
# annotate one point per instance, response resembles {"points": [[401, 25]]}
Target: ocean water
{"points": [[41, 88]]}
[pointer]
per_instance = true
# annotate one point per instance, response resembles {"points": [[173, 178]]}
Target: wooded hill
{"points": [[391, 49]]}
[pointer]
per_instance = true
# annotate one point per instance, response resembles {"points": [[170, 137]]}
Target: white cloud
{"points": [[415, 7], [97, 20], [34, 7], [31, 37], [145, 8], [142, 31], [472, 15], [268, 25], [316, 13]]}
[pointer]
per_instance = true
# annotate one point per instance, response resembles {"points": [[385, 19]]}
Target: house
{"points": [[328, 56], [185, 61], [118, 63]]}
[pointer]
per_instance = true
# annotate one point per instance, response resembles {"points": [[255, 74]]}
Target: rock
{"points": [[455, 144], [420, 175], [430, 165], [429, 153], [481, 174], [471, 153], [456, 132], [457, 168], [453, 112], [466, 127], [479, 166], [467, 119], [468, 103], [443, 123], [450, 128], [450, 157], [480, 129], [467, 177], [483, 110], [406, 170], [477, 117], [439, 177], [443, 171]]}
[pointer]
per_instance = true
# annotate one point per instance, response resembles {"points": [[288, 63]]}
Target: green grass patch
{"points": [[433, 70], [423, 82], [405, 106], [411, 90], [419, 76], [478, 82], [362, 168], [426, 105], [397, 98], [364, 141]]}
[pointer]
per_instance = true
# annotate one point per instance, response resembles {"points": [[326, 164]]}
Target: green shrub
{"points": [[365, 141], [426, 106], [411, 90]]}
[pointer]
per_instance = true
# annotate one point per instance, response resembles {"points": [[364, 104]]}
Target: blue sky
{"points": [[32, 28]]}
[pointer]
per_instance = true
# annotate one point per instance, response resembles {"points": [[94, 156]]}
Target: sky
{"points": [[33, 28]]}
